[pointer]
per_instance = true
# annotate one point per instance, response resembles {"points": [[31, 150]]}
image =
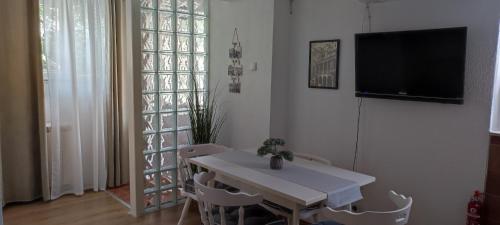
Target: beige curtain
{"points": [[21, 100], [118, 169]]}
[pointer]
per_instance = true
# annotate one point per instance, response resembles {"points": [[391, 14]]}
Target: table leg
{"points": [[295, 215]]}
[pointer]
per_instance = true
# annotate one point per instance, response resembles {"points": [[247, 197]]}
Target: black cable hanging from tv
{"points": [[360, 102], [356, 151]]}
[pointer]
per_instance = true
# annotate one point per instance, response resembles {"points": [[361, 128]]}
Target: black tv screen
{"points": [[423, 65]]}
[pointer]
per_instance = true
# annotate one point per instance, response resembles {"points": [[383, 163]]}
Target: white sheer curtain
{"points": [[495, 107], [76, 46]]}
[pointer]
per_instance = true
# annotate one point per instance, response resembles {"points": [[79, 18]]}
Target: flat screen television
{"points": [[422, 65]]}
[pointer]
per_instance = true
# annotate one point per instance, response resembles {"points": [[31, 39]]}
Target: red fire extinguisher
{"points": [[474, 209]]}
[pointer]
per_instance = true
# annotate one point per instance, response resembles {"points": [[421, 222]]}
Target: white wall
{"points": [[279, 83], [436, 153], [248, 114]]}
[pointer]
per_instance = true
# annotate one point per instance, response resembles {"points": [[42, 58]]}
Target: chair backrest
{"points": [[399, 216], [313, 158], [209, 198], [192, 151]]}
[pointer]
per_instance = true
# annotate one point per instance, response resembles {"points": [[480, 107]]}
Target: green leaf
{"points": [[288, 155], [262, 151], [205, 120]]}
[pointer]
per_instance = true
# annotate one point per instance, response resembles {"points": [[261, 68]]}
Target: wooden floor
{"points": [[90, 209]]}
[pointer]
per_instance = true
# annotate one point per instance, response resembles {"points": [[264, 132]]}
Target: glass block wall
{"points": [[174, 39]]}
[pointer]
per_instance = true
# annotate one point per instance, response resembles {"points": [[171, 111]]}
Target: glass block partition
{"points": [[174, 39]]}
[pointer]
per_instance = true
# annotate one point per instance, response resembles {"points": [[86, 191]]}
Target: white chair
{"points": [[399, 216], [220, 207], [186, 174], [313, 158]]}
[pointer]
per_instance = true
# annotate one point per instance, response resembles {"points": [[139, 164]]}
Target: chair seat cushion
{"points": [[189, 186], [327, 223], [254, 215]]}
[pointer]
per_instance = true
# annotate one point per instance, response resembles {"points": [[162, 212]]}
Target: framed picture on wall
{"points": [[324, 64]]}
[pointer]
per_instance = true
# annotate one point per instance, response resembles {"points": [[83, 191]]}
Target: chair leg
{"points": [[185, 210]]}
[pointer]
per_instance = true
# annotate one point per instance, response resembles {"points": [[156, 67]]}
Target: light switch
{"points": [[254, 67]]}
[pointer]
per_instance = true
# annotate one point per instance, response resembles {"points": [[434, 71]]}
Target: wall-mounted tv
{"points": [[422, 65]]}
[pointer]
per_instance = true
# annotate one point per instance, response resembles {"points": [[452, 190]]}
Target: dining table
{"points": [[300, 184]]}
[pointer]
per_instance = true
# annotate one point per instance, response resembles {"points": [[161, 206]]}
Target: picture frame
{"points": [[324, 61]]}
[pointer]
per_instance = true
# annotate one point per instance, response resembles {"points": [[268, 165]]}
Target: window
{"points": [[495, 107], [50, 25], [174, 39]]}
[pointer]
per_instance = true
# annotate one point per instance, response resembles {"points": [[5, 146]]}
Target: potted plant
{"points": [[204, 117], [270, 146]]}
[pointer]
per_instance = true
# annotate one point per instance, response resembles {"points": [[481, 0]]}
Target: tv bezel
{"points": [[459, 101]]}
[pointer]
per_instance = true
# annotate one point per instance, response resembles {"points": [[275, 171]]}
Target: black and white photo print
{"points": [[324, 64]]}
